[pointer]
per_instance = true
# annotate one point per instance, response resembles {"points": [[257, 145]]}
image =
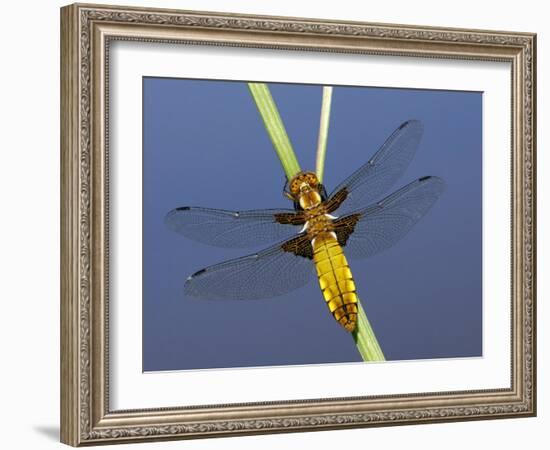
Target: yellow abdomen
{"points": [[335, 279]]}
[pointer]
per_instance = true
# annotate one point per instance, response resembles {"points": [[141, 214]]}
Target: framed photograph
{"points": [[276, 224]]}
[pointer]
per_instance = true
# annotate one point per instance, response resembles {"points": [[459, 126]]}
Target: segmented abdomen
{"points": [[335, 279]]}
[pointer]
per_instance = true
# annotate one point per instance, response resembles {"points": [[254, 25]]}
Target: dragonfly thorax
{"points": [[318, 224], [309, 197]]}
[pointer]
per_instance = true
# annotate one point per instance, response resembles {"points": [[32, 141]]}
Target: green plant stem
{"points": [[364, 336], [365, 339], [275, 128], [323, 132]]}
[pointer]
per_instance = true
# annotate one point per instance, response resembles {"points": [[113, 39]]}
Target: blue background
{"points": [[204, 144]]}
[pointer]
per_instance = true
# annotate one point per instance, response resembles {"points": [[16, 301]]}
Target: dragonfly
{"points": [[317, 234]]}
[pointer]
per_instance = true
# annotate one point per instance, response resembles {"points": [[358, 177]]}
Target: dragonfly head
{"points": [[303, 188]]}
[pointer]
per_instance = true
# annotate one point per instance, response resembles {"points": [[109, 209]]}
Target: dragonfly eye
{"points": [[296, 183], [287, 192], [304, 185]]}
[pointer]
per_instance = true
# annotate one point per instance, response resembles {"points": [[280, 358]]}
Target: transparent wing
{"points": [[378, 175], [377, 227], [232, 229], [269, 273]]}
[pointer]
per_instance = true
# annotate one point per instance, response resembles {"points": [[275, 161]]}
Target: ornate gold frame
{"points": [[86, 31]]}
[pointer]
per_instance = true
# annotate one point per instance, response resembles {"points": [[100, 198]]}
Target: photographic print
{"points": [[278, 224], [294, 224]]}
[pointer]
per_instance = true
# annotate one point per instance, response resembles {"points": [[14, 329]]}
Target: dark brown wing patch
{"points": [[290, 218], [344, 227], [334, 202], [300, 246]]}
